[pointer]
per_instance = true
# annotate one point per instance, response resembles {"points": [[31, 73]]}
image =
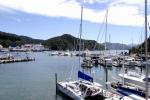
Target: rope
{"points": [[100, 31]]}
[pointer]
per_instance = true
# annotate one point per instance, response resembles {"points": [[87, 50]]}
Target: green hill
{"points": [[7, 39], [63, 42], [117, 46], [67, 41], [141, 48]]}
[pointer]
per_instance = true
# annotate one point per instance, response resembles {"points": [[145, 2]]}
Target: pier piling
{"points": [[56, 81]]}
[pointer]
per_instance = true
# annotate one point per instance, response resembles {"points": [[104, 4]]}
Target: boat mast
{"points": [[146, 58], [110, 45], [80, 35], [123, 62], [106, 48], [106, 31]]}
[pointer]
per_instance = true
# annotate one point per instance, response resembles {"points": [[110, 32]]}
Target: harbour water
{"points": [[35, 80]]}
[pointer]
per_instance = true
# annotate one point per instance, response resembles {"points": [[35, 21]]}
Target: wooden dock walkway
{"points": [[16, 60]]}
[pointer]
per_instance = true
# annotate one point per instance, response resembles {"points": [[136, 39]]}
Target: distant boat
{"points": [[86, 53], [67, 53], [87, 62], [131, 61], [54, 53], [108, 61]]}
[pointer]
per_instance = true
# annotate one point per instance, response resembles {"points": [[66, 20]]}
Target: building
{"points": [[37, 47], [27, 47]]}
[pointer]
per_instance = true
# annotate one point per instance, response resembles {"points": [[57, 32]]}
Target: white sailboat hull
{"points": [[68, 92], [71, 89]]}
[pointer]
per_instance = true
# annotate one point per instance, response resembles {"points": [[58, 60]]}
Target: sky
{"points": [[44, 19]]}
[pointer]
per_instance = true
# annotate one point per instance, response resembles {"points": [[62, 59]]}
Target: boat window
{"points": [[145, 79], [89, 92]]}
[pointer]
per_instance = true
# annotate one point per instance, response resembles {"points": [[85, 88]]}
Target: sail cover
{"points": [[84, 76]]}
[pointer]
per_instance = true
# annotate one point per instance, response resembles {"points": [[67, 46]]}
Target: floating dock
{"points": [[16, 60]]}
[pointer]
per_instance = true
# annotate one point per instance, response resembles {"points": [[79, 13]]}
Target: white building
{"points": [[38, 47], [32, 47], [28, 47]]}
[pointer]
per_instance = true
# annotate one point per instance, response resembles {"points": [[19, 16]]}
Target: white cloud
{"points": [[121, 12], [4, 9], [129, 2], [125, 15], [95, 1]]}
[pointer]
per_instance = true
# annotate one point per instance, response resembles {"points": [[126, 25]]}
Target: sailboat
{"points": [[137, 86], [106, 59], [80, 89], [85, 88]]}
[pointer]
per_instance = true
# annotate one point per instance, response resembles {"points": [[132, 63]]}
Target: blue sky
{"points": [[43, 19]]}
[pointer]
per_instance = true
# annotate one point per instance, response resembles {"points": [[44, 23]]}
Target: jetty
{"points": [[16, 60]]}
